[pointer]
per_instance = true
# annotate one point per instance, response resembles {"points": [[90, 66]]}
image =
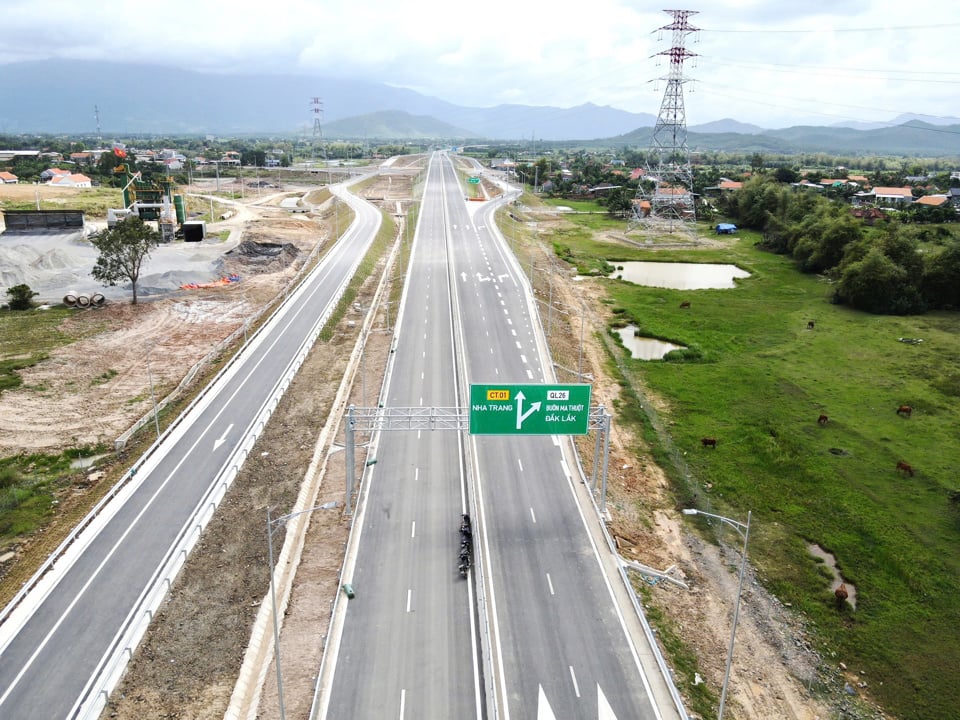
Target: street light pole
{"points": [[273, 602], [744, 530]]}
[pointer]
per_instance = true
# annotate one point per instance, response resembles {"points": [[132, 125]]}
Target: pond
{"points": [[644, 348], [678, 276]]}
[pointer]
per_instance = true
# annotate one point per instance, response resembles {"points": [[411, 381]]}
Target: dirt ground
{"points": [[188, 662]]}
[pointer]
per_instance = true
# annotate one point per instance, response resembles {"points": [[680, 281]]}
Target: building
{"points": [[8, 178], [76, 180], [933, 200], [50, 173]]}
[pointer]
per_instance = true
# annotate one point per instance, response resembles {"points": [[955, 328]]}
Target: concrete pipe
{"points": [[69, 299], [83, 301], [98, 300]]}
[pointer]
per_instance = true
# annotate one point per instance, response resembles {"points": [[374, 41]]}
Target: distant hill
{"points": [[58, 96], [393, 124], [915, 139], [726, 126]]}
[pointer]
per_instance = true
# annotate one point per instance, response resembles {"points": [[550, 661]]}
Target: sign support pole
{"points": [[606, 460], [349, 443]]}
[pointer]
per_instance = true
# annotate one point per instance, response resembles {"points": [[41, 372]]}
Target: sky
{"points": [[772, 63]]}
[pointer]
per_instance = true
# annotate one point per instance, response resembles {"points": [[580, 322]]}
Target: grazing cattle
{"points": [[823, 420], [841, 595], [685, 305], [810, 325], [904, 468], [708, 442], [905, 411]]}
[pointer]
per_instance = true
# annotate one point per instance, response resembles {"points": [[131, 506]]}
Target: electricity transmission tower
{"points": [[669, 205], [316, 107]]}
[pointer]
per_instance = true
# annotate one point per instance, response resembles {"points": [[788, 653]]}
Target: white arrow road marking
{"points": [[604, 711], [521, 415], [481, 278], [223, 438], [544, 711]]}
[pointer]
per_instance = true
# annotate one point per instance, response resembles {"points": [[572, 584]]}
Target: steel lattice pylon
{"points": [[671, 201]]}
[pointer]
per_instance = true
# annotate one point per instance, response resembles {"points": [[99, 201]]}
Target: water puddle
{"points": [[85, 462], [644, 348], [831, 562], [679, 276]]}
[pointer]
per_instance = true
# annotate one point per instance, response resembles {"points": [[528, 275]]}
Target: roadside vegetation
{"points": [[759, 381]]}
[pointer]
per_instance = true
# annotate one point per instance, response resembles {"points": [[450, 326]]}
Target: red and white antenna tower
{"points": [[671, 202]]}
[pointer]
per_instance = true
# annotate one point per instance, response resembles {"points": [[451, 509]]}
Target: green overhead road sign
{"points": [[473, 180], [529, 409]]}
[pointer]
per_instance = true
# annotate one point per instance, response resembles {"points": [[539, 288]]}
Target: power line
{"points": [[820, 30]]}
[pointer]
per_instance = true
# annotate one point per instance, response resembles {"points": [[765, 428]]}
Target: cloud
{"points": [[762, 62]]}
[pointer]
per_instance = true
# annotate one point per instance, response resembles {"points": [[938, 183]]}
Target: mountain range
{"points": [[59, 97]]}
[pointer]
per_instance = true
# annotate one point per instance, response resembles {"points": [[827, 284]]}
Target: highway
{"points": [[58, 647], [409, 644]]}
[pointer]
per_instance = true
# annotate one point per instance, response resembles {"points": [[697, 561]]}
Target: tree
{"points": [[877, 284], [20, 296], [122, 252]]}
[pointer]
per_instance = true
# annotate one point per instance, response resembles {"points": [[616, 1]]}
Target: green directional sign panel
{"points": [[529, 409], [473, 180]]}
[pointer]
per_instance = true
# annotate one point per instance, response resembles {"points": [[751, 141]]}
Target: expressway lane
{"points": [[408, 646], [58, 648], [561, 640]]}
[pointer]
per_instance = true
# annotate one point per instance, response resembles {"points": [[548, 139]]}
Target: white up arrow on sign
{"points": [[521, 415]]}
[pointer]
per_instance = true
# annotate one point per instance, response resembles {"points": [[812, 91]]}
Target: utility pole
{"points": [[671, 199]]}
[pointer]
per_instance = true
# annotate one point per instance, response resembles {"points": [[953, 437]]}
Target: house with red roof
{"points": [[77, 180], [8, 178]]}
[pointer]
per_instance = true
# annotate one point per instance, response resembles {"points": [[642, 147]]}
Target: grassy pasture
{"points": [[761, 382]]}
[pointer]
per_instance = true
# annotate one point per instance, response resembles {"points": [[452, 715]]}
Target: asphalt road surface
{"points": [[54, 649], [409, 645]]}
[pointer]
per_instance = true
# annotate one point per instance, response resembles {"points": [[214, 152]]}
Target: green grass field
{"points": [[762, 380]]}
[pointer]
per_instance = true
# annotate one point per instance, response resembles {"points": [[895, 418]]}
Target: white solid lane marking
{"points": [[550, 584], [403, 701], [410, 598], [413, 529], [573, 677], [604, 711], [544, 711]]}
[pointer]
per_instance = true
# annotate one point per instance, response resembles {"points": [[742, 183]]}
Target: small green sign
{"points": [[473, 180], [529, 409]]}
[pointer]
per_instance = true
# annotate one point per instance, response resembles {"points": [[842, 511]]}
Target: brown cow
{"points": [[904, 468], [905, 411], [841, 595], [708, 442], [685, 305], [810, 325], [823, 420]]}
